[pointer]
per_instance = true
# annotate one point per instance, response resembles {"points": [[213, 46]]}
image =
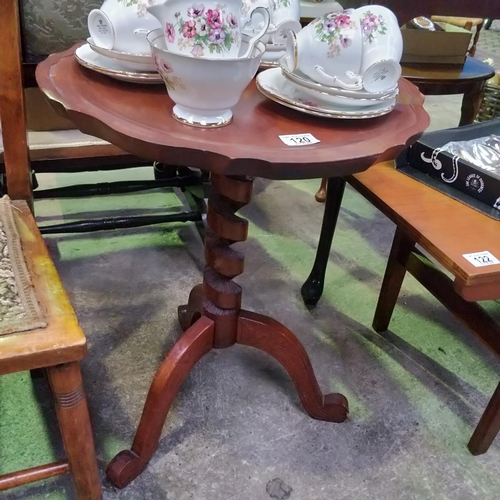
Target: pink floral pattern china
{"points": [[337, 31], [373, 25], [208, 29], [203, 90], [166, 71], [200, 29]]}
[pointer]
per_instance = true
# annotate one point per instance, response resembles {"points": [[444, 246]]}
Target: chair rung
{"points": [[26, 476]]}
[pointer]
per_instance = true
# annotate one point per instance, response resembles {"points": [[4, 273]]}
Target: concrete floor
{"points": [[237, 430]]}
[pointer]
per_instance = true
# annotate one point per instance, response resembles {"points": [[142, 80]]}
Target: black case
{"points": [[453, 172]]}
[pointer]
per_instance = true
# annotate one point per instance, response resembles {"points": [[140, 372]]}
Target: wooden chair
{"points": [[60, 346], [422, 216], [76, 154], [467, 23]]}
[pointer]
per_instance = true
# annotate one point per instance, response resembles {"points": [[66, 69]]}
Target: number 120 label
{"points": [[298, 139]]}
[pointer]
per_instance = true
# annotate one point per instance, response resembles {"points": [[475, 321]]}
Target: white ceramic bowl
{"points": [[204, 90]]}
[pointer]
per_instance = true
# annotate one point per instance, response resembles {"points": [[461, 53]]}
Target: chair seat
{"points": [[461, 22], [62, 341]]}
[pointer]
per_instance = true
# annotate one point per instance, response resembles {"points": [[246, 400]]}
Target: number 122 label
{"points": [[481, 259]]}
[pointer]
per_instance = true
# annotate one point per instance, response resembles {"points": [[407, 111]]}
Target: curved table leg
{"points": [[313, 287], [270, 336], [187, 351], [471, 103]]}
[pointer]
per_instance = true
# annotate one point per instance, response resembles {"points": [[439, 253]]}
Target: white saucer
{"points": [[277, 88], [129, 61], [338, 100], [107, 66], [305, 81]]}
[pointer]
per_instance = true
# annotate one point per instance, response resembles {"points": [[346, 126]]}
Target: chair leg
{"points": [[472, 51], [395, 271], [74, 422], [488, 427]]}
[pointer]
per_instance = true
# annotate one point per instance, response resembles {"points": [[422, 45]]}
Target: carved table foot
{"points": [[194, 343], [270, 336]]}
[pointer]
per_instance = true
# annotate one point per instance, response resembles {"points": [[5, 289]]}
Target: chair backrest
{"points": [[12, 107], [406, 9]]}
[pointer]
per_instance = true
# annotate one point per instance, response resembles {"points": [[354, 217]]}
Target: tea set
{"points": [[342, 65]]}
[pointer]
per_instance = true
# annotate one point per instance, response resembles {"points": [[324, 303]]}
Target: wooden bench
{"points": [[422, 216]]}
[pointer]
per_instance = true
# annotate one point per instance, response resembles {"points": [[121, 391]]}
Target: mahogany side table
{"points": [[138, 119]]}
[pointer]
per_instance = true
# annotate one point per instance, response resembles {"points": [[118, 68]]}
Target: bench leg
{"points": [[395, 271], [74, 422], [488, 426]]}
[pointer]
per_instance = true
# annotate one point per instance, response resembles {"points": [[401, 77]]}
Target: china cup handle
{"points": [[290, 59], [334, 81], [263, 28]]}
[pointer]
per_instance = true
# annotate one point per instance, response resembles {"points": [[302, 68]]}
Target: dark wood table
{"points": [[138, 119], [445, 79]]}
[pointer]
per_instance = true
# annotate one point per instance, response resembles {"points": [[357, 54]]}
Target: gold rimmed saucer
{"points": [[87, 58], [273, 85]]}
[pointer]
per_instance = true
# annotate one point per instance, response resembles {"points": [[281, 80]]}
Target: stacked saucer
{"points": [[124, 66], [117, 46], [347, 104]]}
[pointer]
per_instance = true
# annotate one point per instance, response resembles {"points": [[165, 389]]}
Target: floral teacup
{"points": [[122, 25], [284, 10], [329, 50], [204, 90], [209, 29], [382, 48]]}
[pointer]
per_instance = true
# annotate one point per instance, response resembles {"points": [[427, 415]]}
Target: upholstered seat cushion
{"points": [[53, 25]]}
